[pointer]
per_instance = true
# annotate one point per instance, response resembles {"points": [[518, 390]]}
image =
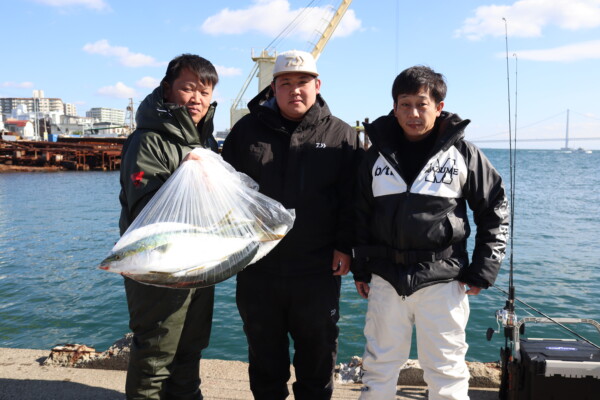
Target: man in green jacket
{"points": [[170, 326]]}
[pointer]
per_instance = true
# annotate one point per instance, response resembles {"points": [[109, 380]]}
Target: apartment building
{"points": [[102, 114], [70, 109], [33, 104]]}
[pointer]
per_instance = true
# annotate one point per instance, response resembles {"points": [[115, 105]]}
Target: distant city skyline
{"points": [[58, 117], [40, 95]]}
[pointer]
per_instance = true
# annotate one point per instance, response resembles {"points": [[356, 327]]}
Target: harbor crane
{"points": [[264, 63]]}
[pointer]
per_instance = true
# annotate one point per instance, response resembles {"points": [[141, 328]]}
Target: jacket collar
{"points": [[382, 132]]}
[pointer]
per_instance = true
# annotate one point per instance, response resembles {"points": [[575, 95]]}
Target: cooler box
{"points": [[555, 369]]}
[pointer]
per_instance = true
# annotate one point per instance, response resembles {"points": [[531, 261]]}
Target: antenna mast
{"points": [[130, 119], [567, 132]]}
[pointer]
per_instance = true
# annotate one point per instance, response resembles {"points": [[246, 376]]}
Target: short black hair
{"points": [[200, 66], [413, 79]]}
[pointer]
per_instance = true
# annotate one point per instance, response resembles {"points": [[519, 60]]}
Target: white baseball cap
{"points": [[295, 61]]}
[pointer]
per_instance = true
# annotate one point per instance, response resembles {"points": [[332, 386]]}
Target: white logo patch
{"points": [[437, 173], [385, 180], [443, 176]]}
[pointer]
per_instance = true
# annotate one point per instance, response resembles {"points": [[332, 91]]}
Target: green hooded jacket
{"points": [[165, 134]]}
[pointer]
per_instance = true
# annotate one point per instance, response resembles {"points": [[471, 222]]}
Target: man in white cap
{"points": [[304, 157]]}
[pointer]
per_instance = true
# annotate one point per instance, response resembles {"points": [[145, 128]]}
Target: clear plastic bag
{"points": [[205, 224]]}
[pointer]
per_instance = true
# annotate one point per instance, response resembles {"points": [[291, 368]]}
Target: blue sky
{"points": [[99, 53]]}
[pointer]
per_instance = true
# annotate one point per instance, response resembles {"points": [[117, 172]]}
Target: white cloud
{"points": [[227, 71], [20, 85], [270, 17], [217, 96], [118, 91], [527, 18], [99, 5], [348, 25], [125, 57], [570, 53], [148, 82]]}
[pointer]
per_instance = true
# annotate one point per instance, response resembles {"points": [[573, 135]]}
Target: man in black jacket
{"points": [[303, 157], [411, 257]]}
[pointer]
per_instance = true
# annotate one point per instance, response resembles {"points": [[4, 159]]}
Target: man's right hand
{"points": [[362, 288]]}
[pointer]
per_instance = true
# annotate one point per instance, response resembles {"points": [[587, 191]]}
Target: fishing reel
{"points": [[505, 318]]}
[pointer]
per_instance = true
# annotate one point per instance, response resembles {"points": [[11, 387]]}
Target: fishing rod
{"points": [[549, 318], [507, 315], [515, 380]]}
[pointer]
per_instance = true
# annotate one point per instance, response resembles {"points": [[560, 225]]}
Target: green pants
{"points": [[170, 329]]}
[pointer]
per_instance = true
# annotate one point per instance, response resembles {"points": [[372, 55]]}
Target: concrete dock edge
{"points": [[24, 377]]}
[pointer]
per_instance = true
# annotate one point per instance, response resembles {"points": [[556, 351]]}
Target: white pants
{"points": [[440, 313]]}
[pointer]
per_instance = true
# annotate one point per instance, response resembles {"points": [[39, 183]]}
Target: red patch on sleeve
{"points": [[136, 178]]}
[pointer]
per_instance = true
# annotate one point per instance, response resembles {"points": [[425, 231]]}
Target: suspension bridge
{"points": [[524, 132]]}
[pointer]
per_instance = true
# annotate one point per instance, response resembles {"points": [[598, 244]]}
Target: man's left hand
{"points": [[471, 290], [191, 156], [341, 263]]}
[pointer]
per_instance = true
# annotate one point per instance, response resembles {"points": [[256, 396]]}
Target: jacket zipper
{"points": [[404, 284]]}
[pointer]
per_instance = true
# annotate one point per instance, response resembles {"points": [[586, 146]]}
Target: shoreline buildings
{"points": [[50, 117]]}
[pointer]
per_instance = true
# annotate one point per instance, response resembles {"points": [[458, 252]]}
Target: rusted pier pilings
{"points": [[80, 154]]}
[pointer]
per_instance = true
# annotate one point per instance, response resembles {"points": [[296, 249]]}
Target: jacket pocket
{"points": [[450, 230]]}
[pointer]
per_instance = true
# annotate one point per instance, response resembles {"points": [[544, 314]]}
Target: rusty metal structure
{"points": [[79, 154]]}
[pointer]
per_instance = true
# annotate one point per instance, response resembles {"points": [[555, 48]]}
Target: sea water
{"points": [[56, 227]]}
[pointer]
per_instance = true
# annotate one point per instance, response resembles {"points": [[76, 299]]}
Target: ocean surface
{"points": [[56, 227]]}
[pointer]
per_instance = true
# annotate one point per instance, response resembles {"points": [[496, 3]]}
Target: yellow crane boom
{"points": [[335, 20], [264, 63]]}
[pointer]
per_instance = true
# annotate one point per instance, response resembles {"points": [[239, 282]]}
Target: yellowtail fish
{"points": [[180, 255]]}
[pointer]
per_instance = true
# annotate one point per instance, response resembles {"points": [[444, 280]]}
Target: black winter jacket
{"points": [[312, 171], [165, 134], [429, 214]]}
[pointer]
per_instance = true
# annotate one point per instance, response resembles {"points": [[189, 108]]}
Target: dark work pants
{"points": [[170, 329], [305, 307]]}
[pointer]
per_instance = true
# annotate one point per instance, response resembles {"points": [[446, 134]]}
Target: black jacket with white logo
{"points": [[312, 171], [429, 214]]}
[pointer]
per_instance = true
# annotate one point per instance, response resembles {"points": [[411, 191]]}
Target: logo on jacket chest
{"points": [[383, 170], [441, 171], [385, 180], [443, 176]]}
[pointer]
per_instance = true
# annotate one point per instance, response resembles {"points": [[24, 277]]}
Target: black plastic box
{"points": [[551, 369]]}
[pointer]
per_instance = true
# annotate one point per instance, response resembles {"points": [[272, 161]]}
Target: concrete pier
{"points": [[23, 377]]}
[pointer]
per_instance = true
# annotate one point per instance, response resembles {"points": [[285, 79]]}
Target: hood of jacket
{"points": [[449, 128], [154, 114], [264, 107]]}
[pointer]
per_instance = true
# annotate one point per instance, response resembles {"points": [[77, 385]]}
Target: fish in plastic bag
{"points": [[205, 224]]}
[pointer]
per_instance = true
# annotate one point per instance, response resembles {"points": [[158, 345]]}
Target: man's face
{"points": [[416, 114], [188, 91], [295, 93]]}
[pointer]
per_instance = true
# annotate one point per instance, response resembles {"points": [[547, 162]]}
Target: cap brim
{"points": [[295, 72]]}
